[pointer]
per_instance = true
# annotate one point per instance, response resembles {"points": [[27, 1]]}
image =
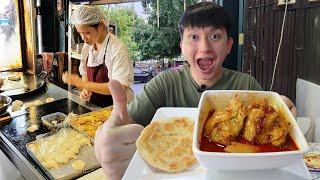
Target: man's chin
{"points": [[205, 76], [207, 73]]}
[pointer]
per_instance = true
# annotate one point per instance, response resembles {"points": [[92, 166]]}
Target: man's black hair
{"points": [[205, 14]]}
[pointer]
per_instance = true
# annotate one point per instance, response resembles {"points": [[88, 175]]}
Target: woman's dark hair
{"points": [[205, 14], [95, 25]]}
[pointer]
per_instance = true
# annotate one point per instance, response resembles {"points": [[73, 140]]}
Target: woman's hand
{"points": [[290, 105], [85, 95], [71, 79]]}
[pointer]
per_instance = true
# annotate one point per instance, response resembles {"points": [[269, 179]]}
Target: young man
{"points": [[205, 43]]}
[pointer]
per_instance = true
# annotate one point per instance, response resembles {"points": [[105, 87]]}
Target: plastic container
{"points": [[54, 120]]}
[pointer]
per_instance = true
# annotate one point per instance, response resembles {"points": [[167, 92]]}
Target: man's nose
{"points": [[204, 45]]}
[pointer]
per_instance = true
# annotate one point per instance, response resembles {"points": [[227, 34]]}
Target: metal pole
{"points": [[158, 14], [133, 18], [240, 61], [69, 48], [39, 27]]}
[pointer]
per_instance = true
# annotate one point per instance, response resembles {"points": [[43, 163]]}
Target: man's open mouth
{"points": [[205, 64]]}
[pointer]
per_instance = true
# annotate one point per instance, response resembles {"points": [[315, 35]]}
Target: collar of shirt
{"points": [[95, 57]]}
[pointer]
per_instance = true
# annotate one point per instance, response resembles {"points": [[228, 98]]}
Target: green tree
{"points": [[162, 41], [124, 18], [145, 39]]}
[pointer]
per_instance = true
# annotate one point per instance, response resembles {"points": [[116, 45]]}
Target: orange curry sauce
{"points": [[207, 145]]}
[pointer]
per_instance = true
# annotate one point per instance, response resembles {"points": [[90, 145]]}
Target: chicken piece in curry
{"points": [[241, 148], [265, 125], [257, 123], [225, 125]]}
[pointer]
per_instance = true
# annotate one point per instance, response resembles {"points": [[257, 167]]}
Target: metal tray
{"points": [[72, 121], [65, 171]]}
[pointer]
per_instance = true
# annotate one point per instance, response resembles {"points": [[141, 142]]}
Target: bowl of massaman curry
{"points": [[246, 130]]}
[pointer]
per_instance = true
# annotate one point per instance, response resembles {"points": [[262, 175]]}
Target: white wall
{"points": [[308, 105]]}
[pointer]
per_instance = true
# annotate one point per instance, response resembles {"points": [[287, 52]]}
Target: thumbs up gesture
{"points": [[114, 143]]}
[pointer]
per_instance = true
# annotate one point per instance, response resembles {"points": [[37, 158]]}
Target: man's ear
{"points": [[181, 45], [229, 44]]}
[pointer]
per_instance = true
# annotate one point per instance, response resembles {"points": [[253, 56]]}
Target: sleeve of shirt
{"points": [[122, 68], [84, 55], [146, 103], [255, 85], [82, 68]]}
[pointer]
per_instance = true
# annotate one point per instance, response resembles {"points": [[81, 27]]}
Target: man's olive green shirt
{"points": [[177, 88]]}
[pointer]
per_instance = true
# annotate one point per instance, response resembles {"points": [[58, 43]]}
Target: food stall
{"points": [[15, 131]]}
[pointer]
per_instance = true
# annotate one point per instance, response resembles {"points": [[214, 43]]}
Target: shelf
{"points": [[75, 55]]}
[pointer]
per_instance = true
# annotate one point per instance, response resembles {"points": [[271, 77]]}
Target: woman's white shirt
{"points": [[117, 60]]}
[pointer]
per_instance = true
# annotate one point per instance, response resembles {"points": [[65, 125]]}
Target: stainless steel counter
{"points": [[8, 170], [27, 169], [58, 93]]}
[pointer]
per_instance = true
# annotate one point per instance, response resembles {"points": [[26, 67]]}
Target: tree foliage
{"points": [[162, 41], [124, 18], [144, 39]]}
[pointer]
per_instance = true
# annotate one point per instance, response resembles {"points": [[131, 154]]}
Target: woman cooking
{"points": [[103, 57]]}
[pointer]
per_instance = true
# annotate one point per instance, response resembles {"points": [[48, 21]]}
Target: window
{"points": [[10, 43]]}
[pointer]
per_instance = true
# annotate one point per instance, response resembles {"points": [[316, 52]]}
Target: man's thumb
{"points": [[119, 101]]}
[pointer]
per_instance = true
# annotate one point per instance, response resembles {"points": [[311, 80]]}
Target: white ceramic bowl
{"points": [[245, 161]]}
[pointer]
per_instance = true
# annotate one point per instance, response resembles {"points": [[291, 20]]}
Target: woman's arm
{"points": [[75, 80], [84, 78], [100, 88]]}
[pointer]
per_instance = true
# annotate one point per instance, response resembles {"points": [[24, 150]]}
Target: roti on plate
{"points": [[167, 144], [312, 160]]}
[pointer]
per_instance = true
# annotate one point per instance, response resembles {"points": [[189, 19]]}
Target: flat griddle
{"points": [[34, 85], [16, 130]]}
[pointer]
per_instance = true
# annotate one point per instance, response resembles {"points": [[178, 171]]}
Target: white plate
{"points": [[139, 169]]}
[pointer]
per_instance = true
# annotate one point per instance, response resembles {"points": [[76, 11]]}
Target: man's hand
{"points": [[114, 143], [290, 105], [85, 95], [71, 79]]}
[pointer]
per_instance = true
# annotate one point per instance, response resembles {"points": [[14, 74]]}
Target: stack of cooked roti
{"points": [[167, 144]]}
